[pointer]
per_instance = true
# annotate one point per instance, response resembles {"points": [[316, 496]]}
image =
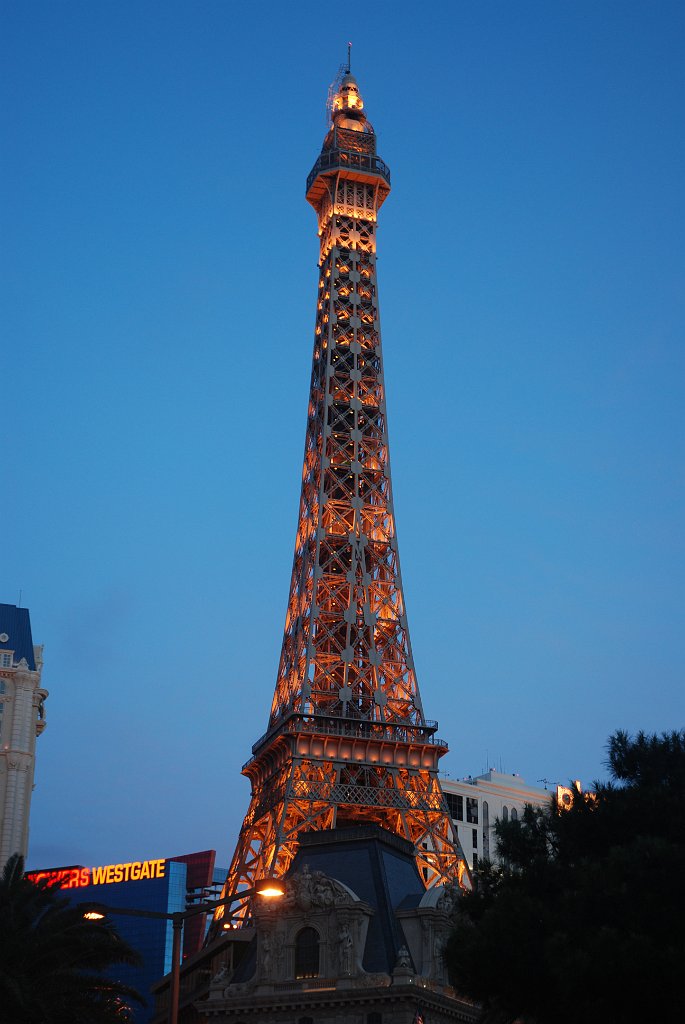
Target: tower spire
{"points": [[347, 740]]}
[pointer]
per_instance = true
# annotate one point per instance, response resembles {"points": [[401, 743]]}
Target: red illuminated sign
{"points": [[111, 874]]}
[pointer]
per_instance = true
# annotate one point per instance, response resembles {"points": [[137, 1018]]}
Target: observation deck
{"points": [[356, 729], [357, 166]]}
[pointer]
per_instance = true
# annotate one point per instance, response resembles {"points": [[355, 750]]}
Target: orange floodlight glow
{"points": [[269, 887]]}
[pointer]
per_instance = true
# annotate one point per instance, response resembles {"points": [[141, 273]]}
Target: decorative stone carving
{"points": [[345, 949], [403, 959], [309, 889], [403, 970], [278, 953], [265, 955], [221, 977], [448, 898]]}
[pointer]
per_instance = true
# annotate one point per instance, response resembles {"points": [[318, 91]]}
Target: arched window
{"points": [[514, 814], [505, 814], [307, 953]]}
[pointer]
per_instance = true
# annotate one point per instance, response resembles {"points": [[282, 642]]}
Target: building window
{"points": [[472, 810], [5, 659], [474, 838], [374, 1018], [505, 814], [514, 814], [455, 804], [305, 1020], [307, 954], [486, 830]]}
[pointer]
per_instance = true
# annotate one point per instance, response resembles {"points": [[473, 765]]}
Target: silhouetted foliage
{"points": [[584, 922], [51, 959]]}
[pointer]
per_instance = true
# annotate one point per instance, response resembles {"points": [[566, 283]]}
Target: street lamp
{"points": [[269, 888]]}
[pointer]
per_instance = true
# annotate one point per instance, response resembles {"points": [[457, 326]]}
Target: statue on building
{"points": [[265, 949], [345, 948]]}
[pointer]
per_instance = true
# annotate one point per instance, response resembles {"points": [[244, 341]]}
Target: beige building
{"points": [[22, 719], [477, 803]]}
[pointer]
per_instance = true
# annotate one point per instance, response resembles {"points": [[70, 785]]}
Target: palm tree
{"points": [[52, 960]]}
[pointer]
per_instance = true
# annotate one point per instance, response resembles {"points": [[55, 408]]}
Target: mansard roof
{"points": [[16, 624]]}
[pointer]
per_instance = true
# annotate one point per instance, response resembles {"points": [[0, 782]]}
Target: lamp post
{"points": [[267, 887]]}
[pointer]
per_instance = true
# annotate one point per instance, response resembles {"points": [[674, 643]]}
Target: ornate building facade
{"points": [[22, 719], [357, 939]]}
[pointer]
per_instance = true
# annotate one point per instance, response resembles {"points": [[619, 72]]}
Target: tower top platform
{"points": [[349, 148]]}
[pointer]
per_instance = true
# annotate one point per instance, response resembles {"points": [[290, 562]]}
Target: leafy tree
{"points": [[51, 959], [584, 922]]}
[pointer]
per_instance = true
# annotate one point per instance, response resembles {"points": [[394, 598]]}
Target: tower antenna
{"points": [[333, 88]]}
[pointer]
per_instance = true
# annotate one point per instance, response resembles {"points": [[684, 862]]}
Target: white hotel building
{"points": [[476, 803]]}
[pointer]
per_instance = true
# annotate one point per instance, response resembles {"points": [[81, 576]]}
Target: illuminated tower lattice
{"points": [[347, 740]]}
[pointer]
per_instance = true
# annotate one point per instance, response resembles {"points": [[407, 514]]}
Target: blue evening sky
{"points": [[159, 280]]}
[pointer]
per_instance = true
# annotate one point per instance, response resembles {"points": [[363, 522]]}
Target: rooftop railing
{"points": [[334, 159], [395, 732]]}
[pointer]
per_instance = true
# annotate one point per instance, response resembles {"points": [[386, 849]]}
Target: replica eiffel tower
{"points": [[347, 741]]}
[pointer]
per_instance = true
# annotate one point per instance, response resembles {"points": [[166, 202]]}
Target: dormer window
{"points": [[6, 659]]}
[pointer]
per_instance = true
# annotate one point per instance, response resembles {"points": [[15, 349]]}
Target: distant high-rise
{"points": [[347, 741], [22, 718]]}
